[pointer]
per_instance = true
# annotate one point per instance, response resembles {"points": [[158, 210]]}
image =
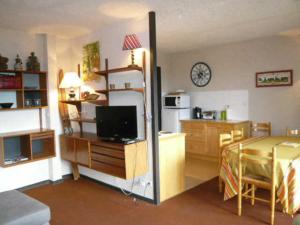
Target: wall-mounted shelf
{"points": [[26, 146], [119, 70], [106, 73], [83, 120], [78, 102], [141, 90], [23, 71], [17, 86]]}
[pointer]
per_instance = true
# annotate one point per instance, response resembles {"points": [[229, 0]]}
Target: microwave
{"points": [[176, 101]]}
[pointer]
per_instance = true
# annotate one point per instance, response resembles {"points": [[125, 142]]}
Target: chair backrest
{"points": [[237, 135], [225, 139], [256, 157], [293, 132], [260, 128]]}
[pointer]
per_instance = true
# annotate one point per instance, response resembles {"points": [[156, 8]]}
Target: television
{"points": [[116, 123]]}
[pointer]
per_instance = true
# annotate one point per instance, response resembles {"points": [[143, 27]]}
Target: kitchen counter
{"points": [[167, 135], [171, 164], [202, 136], [217, 121]]}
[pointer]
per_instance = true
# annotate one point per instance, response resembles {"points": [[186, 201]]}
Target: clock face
{"points": [[200, 74]]}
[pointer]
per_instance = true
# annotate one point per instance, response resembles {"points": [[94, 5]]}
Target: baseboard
{"points": [[70, 176], [36, 185], [45, 182], [117, 189]]}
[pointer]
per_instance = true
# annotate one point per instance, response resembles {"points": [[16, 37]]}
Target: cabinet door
{"points": [[212, 143], [83, 152], [67, 145]]}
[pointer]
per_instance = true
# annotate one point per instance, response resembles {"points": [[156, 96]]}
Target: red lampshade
{"points": [[131, 42]]}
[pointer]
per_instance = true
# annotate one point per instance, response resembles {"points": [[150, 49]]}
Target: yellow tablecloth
{"points": [[287, 169]]}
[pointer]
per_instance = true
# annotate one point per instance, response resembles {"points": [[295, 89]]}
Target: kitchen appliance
{"points": [[209, 115], [116, 123], [171, 119], [176, 101], [197, 113]]}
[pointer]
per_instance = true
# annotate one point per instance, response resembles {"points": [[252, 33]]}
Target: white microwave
{"points": [[176, 101]]}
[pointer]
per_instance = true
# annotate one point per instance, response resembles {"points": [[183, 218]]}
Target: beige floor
{"points": [[198, 171]]}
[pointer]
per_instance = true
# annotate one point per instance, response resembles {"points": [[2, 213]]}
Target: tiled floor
{"points": [[198, 171]]}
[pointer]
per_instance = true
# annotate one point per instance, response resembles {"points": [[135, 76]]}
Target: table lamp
{"points": [[71, 80], [131, 42]]}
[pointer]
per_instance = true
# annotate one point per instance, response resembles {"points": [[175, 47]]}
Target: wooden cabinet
{"points": [[67, 145], [202, 136], [86, 149], [26, 146]]}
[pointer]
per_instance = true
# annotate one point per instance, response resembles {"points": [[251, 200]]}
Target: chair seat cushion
{"points": [[17, 208]]}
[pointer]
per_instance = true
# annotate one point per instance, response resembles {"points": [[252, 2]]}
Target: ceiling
{"points": [[182, 25]]}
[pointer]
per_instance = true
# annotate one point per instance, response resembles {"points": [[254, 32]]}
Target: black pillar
{"points": [[154, 106]]}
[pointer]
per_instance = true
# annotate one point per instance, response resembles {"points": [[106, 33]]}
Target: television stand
{"points": [[124, 141], [124, 160]]}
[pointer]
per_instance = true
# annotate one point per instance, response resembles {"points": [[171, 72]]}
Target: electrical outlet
{"points": [[137, 182]]}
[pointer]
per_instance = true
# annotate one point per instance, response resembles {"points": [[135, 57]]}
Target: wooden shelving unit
{"points": [[106, 73], [29, 145], [18, 86], [83, 120], [119, 70], [141, 90]]}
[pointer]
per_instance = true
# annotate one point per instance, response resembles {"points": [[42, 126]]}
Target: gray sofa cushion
{"points": [[17, 208], [296, 220]]}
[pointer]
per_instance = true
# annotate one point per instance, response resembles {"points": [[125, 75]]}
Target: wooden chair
{"points": [[293, 132], [237, 135], [261, 158], [225, 140], [258, 128]]}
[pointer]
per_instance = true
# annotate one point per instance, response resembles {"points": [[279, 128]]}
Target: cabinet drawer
{"points": [[110, 169], [108, 160], [193, 125], [107, 151]]}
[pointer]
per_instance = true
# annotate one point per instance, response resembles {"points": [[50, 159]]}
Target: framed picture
{"points": [[274, 78], [91, 61]]}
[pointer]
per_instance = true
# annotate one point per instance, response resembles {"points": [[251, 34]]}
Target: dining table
{"points": [[287, 168]]}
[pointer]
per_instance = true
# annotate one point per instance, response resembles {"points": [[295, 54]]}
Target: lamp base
{"points": [[72, 95], [133, 65]]}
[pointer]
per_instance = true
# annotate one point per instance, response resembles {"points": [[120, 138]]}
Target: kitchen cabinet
{"points": [[202, 136]]}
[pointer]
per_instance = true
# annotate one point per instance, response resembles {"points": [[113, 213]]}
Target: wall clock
{"points": [[200, 74]]}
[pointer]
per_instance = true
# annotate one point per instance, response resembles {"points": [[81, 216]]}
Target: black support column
{"points": [[154, 106]]}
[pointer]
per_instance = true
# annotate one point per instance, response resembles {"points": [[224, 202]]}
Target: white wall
{"points": [[233, 68], [111, 41], [18, 42]]}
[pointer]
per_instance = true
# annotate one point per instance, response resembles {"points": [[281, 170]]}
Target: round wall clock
{"points": [[200, 74]]}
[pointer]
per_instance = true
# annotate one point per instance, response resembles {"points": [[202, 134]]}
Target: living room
{"points": [[236, 40]]}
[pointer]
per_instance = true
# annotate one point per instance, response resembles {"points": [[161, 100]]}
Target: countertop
{"points": [[215, 121], [163, 136]]}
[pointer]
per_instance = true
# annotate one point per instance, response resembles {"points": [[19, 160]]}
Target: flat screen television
{"points": [[116, 123]]}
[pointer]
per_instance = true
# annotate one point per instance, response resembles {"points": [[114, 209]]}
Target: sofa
{"points": [[17, 208]]}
